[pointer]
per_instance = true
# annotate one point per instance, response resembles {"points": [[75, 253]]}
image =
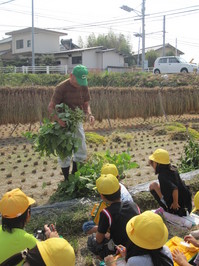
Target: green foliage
{"points": [[190, 160], [151, 57], [110, 40], [178, 127], [53, 139], [82, 183], [92, 137]]}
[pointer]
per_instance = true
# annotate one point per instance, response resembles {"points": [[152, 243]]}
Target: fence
{"points": [[62, 69]]}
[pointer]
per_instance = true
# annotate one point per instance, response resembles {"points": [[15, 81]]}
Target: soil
{"points": [[21, 166]]}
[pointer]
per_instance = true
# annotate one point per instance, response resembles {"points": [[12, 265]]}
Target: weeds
{"points": [[190, 160]]}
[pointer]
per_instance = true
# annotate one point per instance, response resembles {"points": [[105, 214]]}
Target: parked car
{"points": [[173, 64]]}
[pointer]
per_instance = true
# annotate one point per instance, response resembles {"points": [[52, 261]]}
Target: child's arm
{"points": [[175, 204]]}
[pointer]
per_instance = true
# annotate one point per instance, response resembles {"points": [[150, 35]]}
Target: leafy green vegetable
{"points": [[190, 160], [81, 184], [52, 139]]}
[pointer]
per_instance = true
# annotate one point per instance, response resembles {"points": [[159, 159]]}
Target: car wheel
{"points": [[184, 70], [156, 71]]}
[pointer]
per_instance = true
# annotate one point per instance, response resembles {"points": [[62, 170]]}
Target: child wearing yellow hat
{"points": [[171, 192], [90, 227], [148, 235], [113, 218], [15, 209], [51, 252]]}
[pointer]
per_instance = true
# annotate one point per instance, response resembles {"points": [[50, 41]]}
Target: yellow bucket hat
{"points": [[14, 203], [196, 202], [109, 168], [107, 184], [56, 252], [160, 156], [147, 230]]}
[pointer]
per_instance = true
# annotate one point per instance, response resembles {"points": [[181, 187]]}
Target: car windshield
{"points": [[182, 60]]}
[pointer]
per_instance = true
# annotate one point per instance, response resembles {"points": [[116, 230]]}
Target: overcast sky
{"points": [[83, 17]]}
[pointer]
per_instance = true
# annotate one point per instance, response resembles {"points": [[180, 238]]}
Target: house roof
{"points": [[99, 49], [6, 40], [157, 47], [36, 30], [67, 44], [80, 50]]}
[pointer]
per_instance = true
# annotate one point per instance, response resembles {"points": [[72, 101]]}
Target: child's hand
{"points": [[122, 250], [192, 240], [110, 259], [49, 233], [179, 257], [175, 206]]}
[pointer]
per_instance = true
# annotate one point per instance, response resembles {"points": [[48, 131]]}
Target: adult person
{"points": [[113, 219], [171, 193], [51, 252], [148, 235], [15, 209], [73, 92]]}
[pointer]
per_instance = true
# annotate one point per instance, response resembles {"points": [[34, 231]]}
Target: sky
{"points": [[84, 17]]}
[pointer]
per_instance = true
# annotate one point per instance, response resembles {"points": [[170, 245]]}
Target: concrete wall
{"points": [[43, 42]]}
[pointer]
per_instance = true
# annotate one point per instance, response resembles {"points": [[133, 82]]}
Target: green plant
{"points": [[190, 160], [53, 139], [82, 183]]}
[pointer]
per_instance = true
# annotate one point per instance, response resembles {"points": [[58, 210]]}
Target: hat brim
{"points": [[31, 201], [82, 82], [194, 210]]}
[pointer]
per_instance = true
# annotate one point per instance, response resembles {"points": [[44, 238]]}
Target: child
{"points": [[15, 208], [171, 193], [90, 226], [113, 218], [148, 235], [51, 252], [112, 169]]}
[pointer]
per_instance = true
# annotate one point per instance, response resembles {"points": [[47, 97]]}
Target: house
{"points": [[6, 48], [47, 42], [95, 58], [169, 49]]}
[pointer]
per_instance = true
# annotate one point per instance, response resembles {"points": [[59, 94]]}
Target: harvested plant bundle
{"points": [[52, 139]]}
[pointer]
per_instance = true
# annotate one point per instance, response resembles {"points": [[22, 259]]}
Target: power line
{"points": [[6, 2]]}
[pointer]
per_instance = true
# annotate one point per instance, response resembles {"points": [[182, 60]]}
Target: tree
{"points": [[170, 53], [111, 40], [80, 42], [151, 57]]}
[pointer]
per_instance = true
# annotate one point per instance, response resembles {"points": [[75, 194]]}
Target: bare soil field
{"points": [[21, 166]]}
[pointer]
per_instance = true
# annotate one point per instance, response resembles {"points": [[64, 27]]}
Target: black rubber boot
{"points": [[157, 198], [74, 168], [65, 172]]}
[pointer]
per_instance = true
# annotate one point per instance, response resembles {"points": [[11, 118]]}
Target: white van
{"points": [[173, 64]]}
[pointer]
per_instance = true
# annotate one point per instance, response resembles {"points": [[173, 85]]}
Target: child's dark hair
{"points": [[19, 222], [114, 196]]}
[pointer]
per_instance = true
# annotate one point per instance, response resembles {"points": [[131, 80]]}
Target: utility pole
{"points": [[143, 34], [163, 51], [176, 48], [33, 41]]}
